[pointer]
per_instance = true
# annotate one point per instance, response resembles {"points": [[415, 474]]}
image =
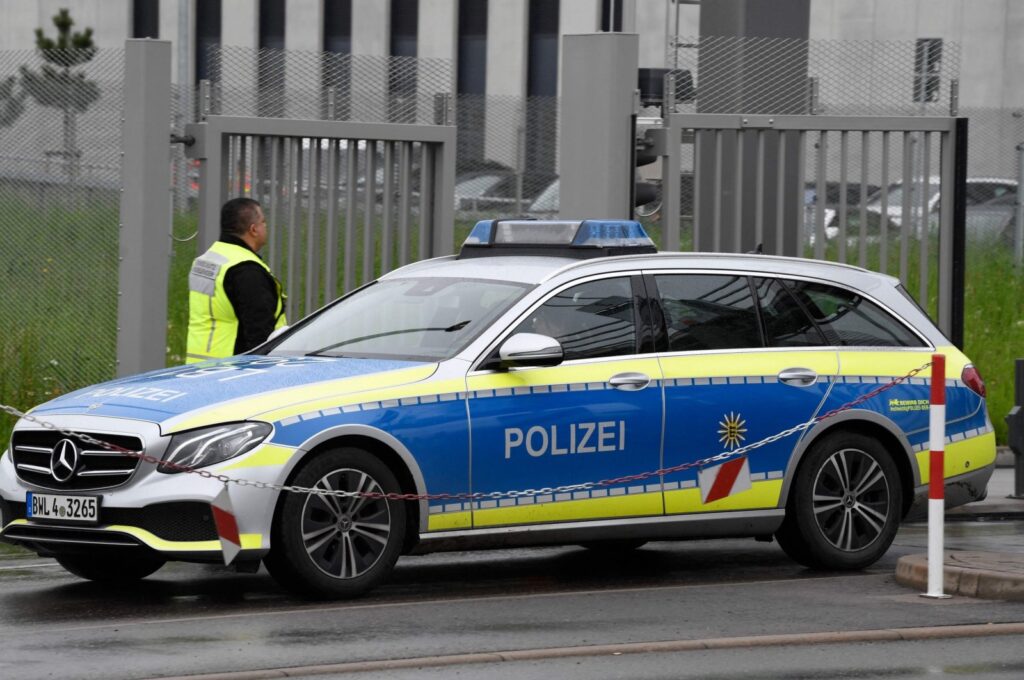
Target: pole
{"points": [[936, 477], [1018, 232], [144, 246]]}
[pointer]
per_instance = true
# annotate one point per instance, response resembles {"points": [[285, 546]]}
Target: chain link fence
{"points": [[60, 139], [725, 74]]}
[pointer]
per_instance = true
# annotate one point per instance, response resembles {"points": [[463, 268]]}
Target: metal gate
{"points": [[344, 202], [885, 193]]}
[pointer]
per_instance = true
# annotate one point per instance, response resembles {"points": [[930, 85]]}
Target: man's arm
{"points": [[253, 296]]}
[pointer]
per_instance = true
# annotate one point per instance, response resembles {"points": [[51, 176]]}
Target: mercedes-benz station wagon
{"points": [[554, 383]]}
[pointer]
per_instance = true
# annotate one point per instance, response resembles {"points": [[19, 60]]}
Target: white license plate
{"points": [[79, 509]]}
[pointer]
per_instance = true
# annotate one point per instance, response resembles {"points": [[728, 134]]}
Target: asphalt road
{"points": [[190, 619]]}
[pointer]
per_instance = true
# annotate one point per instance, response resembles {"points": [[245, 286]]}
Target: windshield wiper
{"points": [[449, 329]]}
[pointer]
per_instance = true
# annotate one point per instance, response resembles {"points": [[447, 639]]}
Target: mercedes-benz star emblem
{"points": [[63, 460]]}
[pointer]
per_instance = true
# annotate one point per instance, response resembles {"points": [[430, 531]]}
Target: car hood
{"points": [[235, 388]]}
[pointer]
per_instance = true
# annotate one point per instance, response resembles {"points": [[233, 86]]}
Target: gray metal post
{"points": [[144, 247], [1018, 231], [1015, 427], [599, 73]]}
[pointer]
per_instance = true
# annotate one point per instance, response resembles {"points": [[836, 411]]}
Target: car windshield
{"points": [[419, 319]]}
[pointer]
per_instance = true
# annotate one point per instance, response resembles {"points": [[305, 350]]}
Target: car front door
{"points": [[596, 416], [732, 379]]}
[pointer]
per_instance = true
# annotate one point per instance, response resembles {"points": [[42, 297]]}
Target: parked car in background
{"points": [[993, 220], [832, 202], [979, 190]]}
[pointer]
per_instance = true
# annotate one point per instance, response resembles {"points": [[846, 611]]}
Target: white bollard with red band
{"points": [[937, 477]]}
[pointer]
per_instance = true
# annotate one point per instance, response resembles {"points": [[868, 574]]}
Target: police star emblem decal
{"points": [[732, 427]]}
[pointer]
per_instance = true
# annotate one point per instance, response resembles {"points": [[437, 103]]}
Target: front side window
{"points": [[422, 319], [847, 318], [593, 319], [708, 311]]}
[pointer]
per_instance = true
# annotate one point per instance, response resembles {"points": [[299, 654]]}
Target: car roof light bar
{"points": [[580, 239]]}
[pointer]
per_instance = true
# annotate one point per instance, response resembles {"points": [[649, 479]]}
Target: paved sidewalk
{"points": [[975, 573]]}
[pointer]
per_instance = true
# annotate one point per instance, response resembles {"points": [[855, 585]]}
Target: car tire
{"points": [[337, 548], [111, 567], [614, 545], [845, 505]]}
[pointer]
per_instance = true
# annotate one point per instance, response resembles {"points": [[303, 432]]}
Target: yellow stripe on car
{"points": [[962, 456]]}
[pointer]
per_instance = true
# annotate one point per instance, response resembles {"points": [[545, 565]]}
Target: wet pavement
{"points": [[991, 574]]}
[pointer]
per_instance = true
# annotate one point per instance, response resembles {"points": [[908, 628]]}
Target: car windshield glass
{"points": [[424, 319]]}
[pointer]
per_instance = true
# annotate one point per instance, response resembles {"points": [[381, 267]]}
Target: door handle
{"points": [[629, 382], [799, 377]]}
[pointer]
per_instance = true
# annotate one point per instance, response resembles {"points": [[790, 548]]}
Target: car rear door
{"points": [[596, 416], [726, 386]]}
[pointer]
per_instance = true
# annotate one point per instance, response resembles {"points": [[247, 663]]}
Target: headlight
{"points": [[209, 445]]}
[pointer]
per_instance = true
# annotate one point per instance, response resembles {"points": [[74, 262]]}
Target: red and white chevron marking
{"points": [[723, 480], [227, 526]]}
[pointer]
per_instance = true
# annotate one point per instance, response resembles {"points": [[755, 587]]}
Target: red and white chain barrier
{"points": [[477, 496], [936, 478]]}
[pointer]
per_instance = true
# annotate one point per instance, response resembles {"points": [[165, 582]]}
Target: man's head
{"points": [[243, 218]]}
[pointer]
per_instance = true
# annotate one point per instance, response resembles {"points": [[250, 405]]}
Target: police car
{"points": [[554, 383]]}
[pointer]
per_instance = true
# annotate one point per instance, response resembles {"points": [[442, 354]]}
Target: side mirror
{"points": [[530, 349]]}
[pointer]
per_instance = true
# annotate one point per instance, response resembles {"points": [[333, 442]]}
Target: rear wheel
{"points": [[111, 567], [337, 547], [844, 508]]}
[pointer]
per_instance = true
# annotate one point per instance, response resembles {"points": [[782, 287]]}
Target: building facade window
{"points": [[336, 65], [208, 30], [611, 16], [145, 18], [542, 91], [471, 81], [405, 16], [927, 67], [270, 91]]}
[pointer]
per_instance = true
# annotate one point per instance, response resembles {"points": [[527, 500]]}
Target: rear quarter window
{"points": [[848, 318]]}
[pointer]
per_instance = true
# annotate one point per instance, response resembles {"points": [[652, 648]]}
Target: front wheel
{"points": [[110, 567], [331, 546], [844, 507]]}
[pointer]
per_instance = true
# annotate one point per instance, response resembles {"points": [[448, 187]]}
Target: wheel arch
{"points": [[863, 422], [390, 451]]}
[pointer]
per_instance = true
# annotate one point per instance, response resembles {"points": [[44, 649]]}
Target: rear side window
{"points": [[847, 318], [786, 324], [593, 319], [708, 311]]}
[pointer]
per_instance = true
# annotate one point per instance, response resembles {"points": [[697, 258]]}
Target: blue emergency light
{"points": [[559, 238]]}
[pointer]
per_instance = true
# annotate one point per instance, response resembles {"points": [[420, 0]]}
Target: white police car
{"points": [[556, 382]]}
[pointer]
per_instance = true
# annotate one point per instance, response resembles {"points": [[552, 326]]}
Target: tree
{"points": [[12, 102], [57, 85]]}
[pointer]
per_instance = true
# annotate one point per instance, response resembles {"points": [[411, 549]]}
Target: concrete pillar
{"points": [[507, 25], [370, 36], [303, 40]]}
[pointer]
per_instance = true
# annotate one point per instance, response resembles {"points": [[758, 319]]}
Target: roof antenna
{"points": [[759, 250]]}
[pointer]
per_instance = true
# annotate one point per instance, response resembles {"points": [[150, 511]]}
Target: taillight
{"points": [[972, 379]]}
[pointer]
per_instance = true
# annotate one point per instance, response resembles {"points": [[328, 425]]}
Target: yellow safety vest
{"points": [[212, 324]]}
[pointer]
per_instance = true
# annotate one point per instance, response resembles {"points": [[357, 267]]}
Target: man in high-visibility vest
{"points": [[234, 301]]}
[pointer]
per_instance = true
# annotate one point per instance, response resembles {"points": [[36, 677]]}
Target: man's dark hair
{"points": [[236, 215]]}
